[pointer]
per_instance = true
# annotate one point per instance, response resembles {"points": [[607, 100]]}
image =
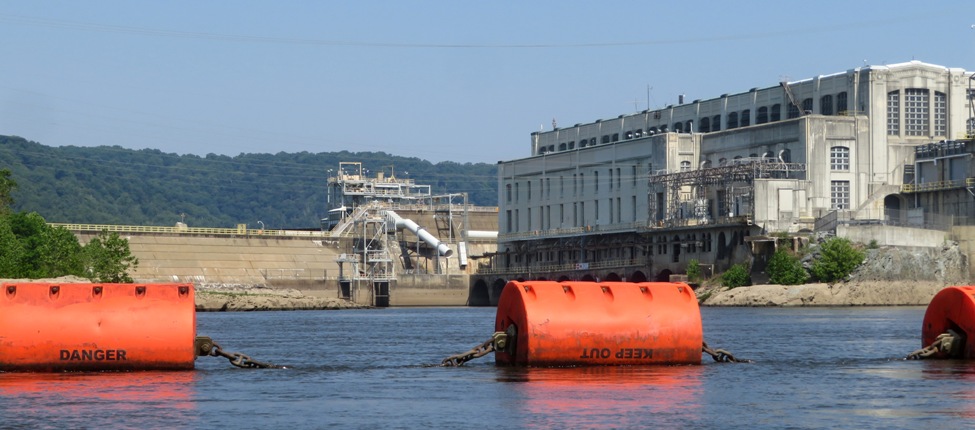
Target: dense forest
{"points": [[114, 185]]}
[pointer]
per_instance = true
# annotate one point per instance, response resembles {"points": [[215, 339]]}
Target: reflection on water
{"points": [[94, 399], [604, 396]]}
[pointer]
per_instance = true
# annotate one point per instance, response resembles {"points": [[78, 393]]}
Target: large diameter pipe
{"points": [[420, 232], [481, 234]]}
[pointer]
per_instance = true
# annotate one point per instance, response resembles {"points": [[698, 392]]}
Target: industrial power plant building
{"points": [[638, 196]]}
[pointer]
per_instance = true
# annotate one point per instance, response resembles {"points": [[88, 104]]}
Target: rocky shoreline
{"points": [[223, 297], [890, 293]]}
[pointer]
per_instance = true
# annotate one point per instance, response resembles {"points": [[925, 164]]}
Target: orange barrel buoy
{"points": [[598, 323], [953, 308], [61, 327]]}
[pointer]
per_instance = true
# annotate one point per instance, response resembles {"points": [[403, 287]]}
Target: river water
{"points": [[814, 368]]}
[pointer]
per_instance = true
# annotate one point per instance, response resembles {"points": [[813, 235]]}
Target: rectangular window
{"points": [[529, 219], [595, 181], [529, 185], [517, 198], [634, 175], [940, 114], [575, 185], [561, 186], [612, 214], [916, 112], [893, 113], [618, 176], [839, 192], [596, 211], [610, 178], [507, 216], [508, 193], [633, 202]]}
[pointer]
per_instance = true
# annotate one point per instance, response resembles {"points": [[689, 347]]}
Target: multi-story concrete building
{"points": [[640, 195]]}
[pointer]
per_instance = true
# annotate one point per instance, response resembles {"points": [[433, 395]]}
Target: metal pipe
{"points": [[420, 232]]}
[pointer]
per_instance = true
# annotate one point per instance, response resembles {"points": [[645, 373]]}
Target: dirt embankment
{"points": [[888, 277], [222, 297]]}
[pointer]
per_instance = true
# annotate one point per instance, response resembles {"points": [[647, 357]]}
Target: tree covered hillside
{"points": [[114, 185]]}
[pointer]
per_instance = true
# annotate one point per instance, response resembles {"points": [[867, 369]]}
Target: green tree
{"points": [[11, 252], [7, 186], [108, 259], [736, 276], [60, 253], [838, 257], [785, 268], [693, 271]]}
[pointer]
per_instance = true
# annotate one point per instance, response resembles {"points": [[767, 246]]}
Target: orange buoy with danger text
{"points": [[65, 327], [598, 323], [952, 310]]}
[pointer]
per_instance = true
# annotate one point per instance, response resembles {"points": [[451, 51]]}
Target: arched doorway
{"points": [[663, 276], [588, 278], [496, 288], [613, 277], [638, 276], [479, 294]]}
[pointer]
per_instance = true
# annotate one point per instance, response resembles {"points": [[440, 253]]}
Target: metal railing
{"points": [[240, 231], [553, 268], [937, 185]]}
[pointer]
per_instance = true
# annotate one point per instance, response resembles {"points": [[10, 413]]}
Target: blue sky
{"points": [[458, 81]]}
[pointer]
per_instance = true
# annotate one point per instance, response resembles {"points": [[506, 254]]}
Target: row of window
{"points": [[544, 214], [615, 181], [764, 114]]}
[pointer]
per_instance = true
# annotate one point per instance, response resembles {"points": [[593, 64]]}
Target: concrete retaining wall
{"points": [[892, 236]]}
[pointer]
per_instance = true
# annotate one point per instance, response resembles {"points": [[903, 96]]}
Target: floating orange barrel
{"points": [[598, 323], [953, 308], [62, 327]]}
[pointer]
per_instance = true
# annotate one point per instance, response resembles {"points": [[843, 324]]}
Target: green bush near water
{"points": [[736, 276], [784, 268], [838, 257]]}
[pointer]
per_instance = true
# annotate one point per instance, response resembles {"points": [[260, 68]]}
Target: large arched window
{"points": [[776, 113], [762, 116], [826, 105], [746, 118], [716, 123], [807, 105], [793, 111], [841, 103], [685, 166], [732, 120], [705, 125]]}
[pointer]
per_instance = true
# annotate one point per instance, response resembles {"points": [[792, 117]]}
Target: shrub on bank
{"points": [[837, 259], [784, 268], [736, 276]]}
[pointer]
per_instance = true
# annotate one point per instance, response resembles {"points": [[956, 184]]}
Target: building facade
{"points": [[640, 195]]}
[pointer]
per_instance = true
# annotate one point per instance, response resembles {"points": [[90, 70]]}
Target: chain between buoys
{"points": [[206, 346], [497, 341], [721, 356], [944, 343]]}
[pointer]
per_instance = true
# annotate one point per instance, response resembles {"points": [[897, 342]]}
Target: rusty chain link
{"points": [[945, 343], [206, 346], [497, 341], [722, 356]]}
